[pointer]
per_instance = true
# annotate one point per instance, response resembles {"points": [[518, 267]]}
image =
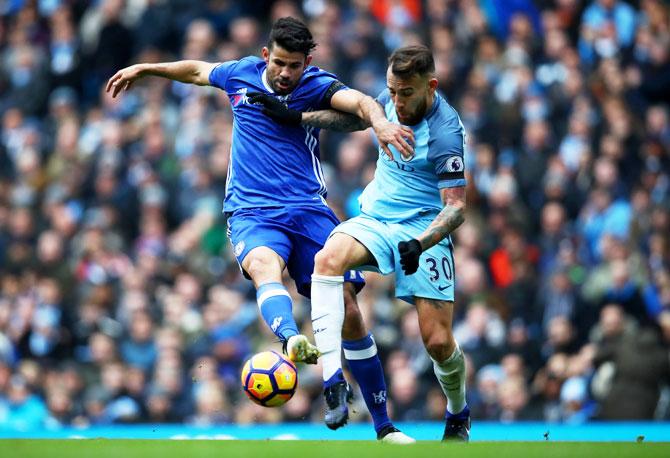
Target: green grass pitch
{"points": [[117, 448]]}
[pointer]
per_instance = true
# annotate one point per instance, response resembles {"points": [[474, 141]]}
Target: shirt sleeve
{"points": [[219, 75], [334, 87], [320, 86], [446, 150]]}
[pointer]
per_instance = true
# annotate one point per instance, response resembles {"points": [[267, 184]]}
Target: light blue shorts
{"points": [[435, 277]]}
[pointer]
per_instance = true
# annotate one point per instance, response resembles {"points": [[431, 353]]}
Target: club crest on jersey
{"points": [[455, 164], [407, 159], [400, 165], [239, 248], [412, 156]]}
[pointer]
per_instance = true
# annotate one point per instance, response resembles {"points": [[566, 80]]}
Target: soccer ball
{"points": [[269, 379]]}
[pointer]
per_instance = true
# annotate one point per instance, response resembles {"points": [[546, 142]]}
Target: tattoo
{"points": [[444, 223], [334, 120]]}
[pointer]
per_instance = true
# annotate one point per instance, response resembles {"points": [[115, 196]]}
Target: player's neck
{"points": [[429, 104]]}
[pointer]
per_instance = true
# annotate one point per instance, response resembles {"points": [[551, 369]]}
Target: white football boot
{"points": [[392, 435]]}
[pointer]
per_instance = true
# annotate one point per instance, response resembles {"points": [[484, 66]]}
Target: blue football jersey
{"points": [[271, 164], [405, 189]]}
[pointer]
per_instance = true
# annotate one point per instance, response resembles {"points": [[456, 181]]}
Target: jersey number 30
{"points": [[444, 265]]}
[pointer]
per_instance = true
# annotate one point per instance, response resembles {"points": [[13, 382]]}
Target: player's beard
{"points": [[419, 113]]}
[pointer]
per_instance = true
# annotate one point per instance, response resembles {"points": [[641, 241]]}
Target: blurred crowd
{"points": [[120, 301]]}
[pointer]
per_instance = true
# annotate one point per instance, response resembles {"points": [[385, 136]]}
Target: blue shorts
{"points": [[296, 233], [435, 277]]}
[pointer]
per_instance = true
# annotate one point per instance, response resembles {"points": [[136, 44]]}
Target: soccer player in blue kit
{"points": [[275, 193], [408, 212]]}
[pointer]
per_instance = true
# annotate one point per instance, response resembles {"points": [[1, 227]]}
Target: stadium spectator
{"points": [[631, 361]]}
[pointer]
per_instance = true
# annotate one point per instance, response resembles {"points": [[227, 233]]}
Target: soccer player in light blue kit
{"points": [[407, 215], [275, 191]]}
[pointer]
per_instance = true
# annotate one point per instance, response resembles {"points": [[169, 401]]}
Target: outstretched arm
{"points": [[347, 102], [185, 71], [451, 216]]}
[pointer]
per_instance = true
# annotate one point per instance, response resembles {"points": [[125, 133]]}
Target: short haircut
{"points": [[292, 35], [410, 60]]}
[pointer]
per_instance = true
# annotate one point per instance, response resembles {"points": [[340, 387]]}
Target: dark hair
{"points": [[410, 60], [292, 35]]}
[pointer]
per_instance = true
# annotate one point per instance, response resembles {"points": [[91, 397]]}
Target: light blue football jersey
{"points": [[406, 189]]}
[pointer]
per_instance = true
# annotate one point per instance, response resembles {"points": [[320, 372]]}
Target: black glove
{"points": [[409, 255], [276, 109]]}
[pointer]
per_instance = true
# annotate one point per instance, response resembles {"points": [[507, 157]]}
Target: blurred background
{"points": [[121, 302]]}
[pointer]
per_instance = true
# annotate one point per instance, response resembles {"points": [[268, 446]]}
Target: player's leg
{"points": [[316, 224], [261, 249], [339, 254], [435, 321], [265, 267], [342, 252], [431, 289], [354, 243], [360, 351]]}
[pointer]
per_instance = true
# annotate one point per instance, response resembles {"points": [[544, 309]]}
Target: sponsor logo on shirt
{"points": [[240, 96]]}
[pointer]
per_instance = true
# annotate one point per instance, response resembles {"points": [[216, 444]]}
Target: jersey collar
{"points": [[433, 108], [265, 83]]}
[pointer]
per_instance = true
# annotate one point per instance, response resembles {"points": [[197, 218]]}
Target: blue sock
{"points": [[335, 378], [364, 363], [276, 307]]}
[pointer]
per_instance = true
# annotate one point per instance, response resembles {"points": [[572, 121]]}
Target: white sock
{"points": [[327, 321], [451, 375]]}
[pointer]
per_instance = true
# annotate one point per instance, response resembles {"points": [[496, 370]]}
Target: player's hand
{"points": [[276, 109], [123, 79], [401, 137], [410, 252]]}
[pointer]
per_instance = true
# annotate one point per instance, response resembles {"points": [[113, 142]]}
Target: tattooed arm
{"points": [[334, 120], [451, 216]]}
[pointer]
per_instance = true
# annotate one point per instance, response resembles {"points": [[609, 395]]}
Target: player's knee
{"points": [[327, 262], [441, 347], [258, 266]]}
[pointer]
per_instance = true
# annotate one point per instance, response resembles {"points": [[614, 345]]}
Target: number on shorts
{"points": [[435, 273]]}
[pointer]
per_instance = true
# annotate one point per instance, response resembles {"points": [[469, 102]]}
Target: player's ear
{"points": [[308, 60], [265, 52], [432, 84]]}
